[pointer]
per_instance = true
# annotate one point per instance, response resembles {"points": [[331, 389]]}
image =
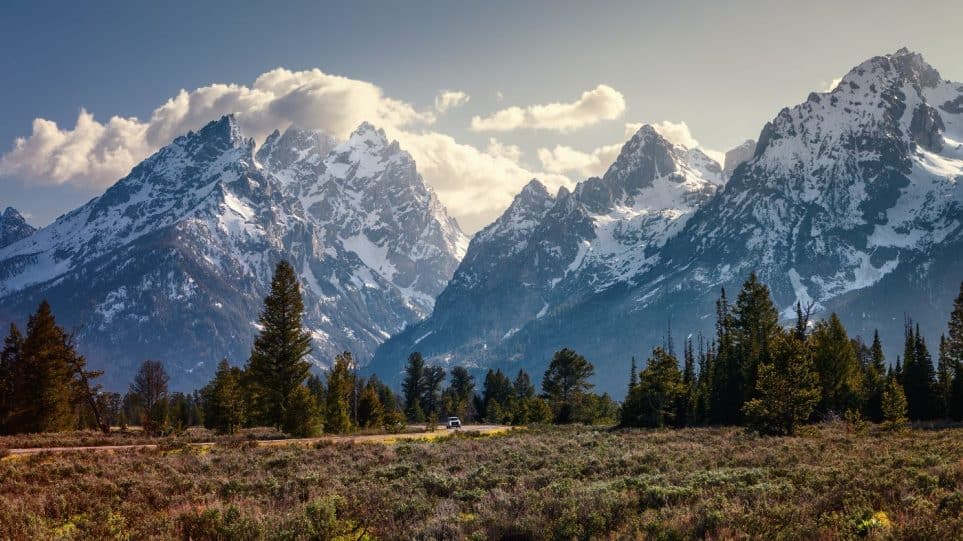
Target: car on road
{"points": [[453, 422]]}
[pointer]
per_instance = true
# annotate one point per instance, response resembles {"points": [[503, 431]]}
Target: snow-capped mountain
{"points": [[737, 156], [172, 262], [366, 196], [851, 200], [546, 253], [13, 227]]}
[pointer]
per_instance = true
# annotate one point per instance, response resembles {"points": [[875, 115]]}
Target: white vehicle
{"points": [[453, 422]]}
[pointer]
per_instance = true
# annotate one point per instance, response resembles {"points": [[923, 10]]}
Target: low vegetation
{"points": [[833, 481]]}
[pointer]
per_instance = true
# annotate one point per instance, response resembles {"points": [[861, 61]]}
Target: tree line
{"points": [[756, 373], [753, 372]]}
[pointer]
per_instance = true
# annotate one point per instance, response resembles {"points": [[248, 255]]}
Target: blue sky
{"points": [[722, 68]]}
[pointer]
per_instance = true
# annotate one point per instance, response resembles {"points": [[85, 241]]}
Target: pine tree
{"points": [[787, 388], [497, 393], [944, 381], [725, 391], [565, 381], [954, 354], [660, 390], [838, 369], [370, 411], [874, 379], [431, 394], [894, 405], [11, 363], [686, 414], [461, 391], [413, 387], [919, 381], [756, 322], [631, 412], [302, 418], [340, 387], [47, 392], [277, 367], [223, 400]]}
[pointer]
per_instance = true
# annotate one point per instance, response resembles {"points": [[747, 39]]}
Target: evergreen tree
{"points": [[954, 354], [686, 414], [660, 390], [460, 393], [497, 394], [11, 363], [277, 367], [47, 392], [338, 395], [725, 392], [631, 412], [301, 417], [839, 373], [565, 381], [223, 399], [370, 411], [919, 381], [894, 405], [944, 380], [874, 378], [756, 321], [787, 388], [413, 387], [431, 394]]}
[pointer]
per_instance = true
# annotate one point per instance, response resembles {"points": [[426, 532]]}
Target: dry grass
{"points": [[552, 483]]}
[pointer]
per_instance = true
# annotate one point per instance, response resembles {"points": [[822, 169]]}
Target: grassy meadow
{"points": [[537, 483]]}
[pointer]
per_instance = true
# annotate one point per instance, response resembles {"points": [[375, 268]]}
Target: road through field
{"points": [[440, 432]]}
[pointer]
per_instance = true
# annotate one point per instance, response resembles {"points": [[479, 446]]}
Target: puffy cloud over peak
{"points": [[593, 106]]}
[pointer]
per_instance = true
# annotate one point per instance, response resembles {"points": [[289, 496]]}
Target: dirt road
{"points": [[441, 432]]}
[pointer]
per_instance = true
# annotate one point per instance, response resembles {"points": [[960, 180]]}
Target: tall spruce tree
{"points": [[725, 398], [48, 392], [11, 367], [919, 378], [954, 354], [341, 385], [631, 412], [686, 414], [840, 377], [874, 380], [756, 322], [944, 380], [277, 367], [431, 394], [412, 387]]}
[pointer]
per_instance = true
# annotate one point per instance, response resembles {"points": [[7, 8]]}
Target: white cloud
{"points": [[475, 185], [565, 159], [601, 103], [94, 154], [497, 148], [449, 99]]}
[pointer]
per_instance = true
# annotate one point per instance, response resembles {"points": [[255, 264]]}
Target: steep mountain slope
{"points": [[547, 253], [13, 227], [852, 201], [172, 262]]}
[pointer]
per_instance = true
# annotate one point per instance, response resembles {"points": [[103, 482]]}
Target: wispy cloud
{"points": [[449, 99]]}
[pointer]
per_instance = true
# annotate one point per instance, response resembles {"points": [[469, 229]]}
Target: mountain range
{"points": [[172, 262], [849, 202]]}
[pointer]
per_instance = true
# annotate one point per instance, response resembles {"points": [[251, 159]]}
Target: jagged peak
{"points": [[217, 135], [369, 133], [903, 66], [12, 213], [535, 187]]}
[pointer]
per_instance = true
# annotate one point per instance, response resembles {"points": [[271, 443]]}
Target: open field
{"points": [[553, 483]]}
